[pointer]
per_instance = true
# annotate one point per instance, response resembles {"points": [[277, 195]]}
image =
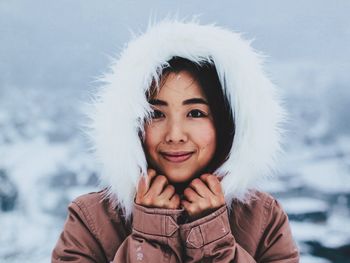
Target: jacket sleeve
{"points": [[155, 237], [77, 242], [210, 239]]}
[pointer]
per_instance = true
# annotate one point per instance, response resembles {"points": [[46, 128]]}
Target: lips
{"points": [[176, 157]]}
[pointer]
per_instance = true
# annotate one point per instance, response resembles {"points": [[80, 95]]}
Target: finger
{"points": [[191, 195], [213, 183], [189, 207], [141, 186], [151, 174], [168, 192], [144, 183], [185, 204], [158, 184], [201, 188], [174, 202]]}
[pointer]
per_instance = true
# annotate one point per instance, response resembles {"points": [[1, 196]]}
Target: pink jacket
{"points": [[95, 231], [249, 229]]}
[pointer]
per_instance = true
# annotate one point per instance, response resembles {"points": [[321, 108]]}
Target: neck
{"points": [[180, 187]]}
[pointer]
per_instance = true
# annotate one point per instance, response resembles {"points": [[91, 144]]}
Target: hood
{"points": [[119, 107]]}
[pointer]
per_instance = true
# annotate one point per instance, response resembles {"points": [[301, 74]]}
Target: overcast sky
{"points": [[65, 43]]}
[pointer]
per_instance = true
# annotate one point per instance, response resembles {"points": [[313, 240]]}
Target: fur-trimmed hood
{"points": [[120, 106]]}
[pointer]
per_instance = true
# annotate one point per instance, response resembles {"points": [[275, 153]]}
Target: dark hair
{"points": [[206, 75]]}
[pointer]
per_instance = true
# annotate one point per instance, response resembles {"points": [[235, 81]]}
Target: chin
{"points": [[176, 177]]}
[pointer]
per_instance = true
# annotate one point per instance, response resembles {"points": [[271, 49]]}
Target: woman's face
{"points": [[181, 139]]}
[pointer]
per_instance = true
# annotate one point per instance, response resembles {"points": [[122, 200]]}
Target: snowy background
{"points": [[51, 52]]}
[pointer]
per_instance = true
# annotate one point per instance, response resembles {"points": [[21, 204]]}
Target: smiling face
{"points": [[180, 140]]}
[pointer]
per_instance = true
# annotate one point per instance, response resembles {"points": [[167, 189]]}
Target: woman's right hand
{"points": [[155, 191]]}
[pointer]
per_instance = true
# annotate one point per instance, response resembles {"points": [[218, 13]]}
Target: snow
{"points": [[328, 176], [332, 234], [311, 259], [301, 205]]}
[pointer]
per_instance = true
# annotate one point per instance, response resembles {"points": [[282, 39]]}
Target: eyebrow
{"points": [[158, 102]]}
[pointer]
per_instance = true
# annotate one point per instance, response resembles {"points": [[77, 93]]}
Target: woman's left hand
{"points": [[203, 196]]}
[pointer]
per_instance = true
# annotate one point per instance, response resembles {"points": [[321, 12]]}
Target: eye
{"points": [[196, 114], [157, 114]]}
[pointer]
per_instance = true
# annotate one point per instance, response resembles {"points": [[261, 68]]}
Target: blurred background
{"points": [[52, 51]]}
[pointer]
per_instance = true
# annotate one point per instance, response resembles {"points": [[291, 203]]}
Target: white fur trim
{"points": [[120, 105]]}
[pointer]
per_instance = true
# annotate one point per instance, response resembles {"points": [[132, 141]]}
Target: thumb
{"points": [[145, 182]]}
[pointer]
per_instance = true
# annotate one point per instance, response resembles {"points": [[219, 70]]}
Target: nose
{"points": [[175, 132]]}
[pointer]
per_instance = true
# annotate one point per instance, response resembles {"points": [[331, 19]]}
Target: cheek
{"points": [[205, 137], [152, 138]]}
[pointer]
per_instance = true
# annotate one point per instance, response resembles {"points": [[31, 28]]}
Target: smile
{"points": [[176, 157]]}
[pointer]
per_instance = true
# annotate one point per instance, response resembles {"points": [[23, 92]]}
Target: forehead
{"points": [[179, 85]]}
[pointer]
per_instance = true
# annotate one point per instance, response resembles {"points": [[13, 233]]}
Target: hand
{"points": [[155, 191], [203, 196]]}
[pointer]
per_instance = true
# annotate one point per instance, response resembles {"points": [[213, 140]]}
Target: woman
{"points": [[184, 127]]}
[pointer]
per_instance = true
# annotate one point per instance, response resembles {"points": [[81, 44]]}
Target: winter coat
{"points": [[252, 227], [96, 232]]}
